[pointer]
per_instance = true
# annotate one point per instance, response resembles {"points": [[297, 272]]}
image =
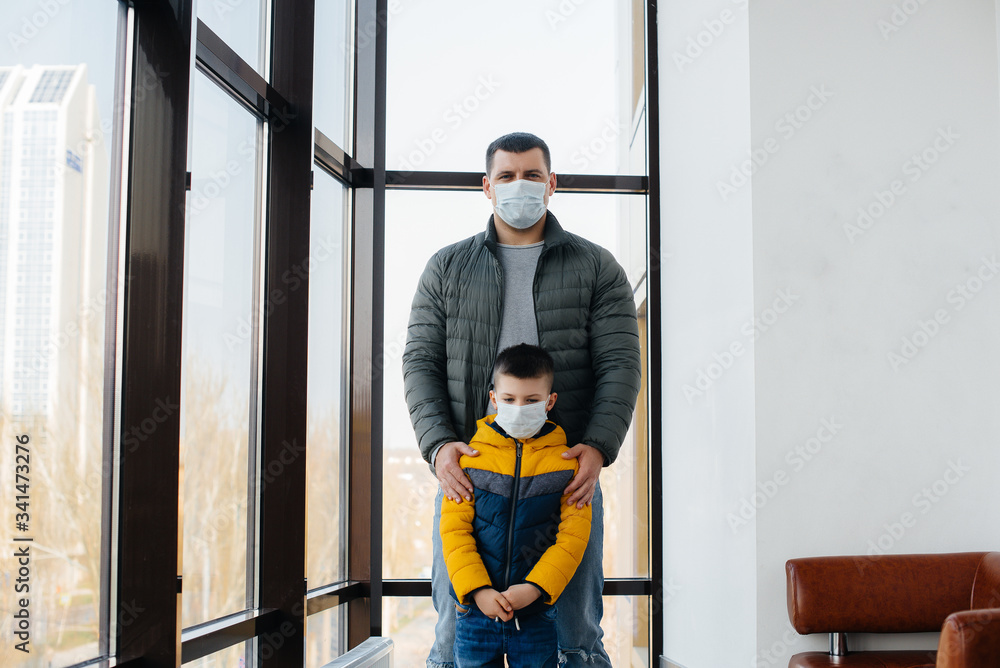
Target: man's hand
{"points": [[522, 595], [581, 487], [493, 604], [450, 475]]}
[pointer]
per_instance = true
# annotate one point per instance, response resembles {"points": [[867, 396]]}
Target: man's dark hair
{"points": [[517, 142], [524, 361]]}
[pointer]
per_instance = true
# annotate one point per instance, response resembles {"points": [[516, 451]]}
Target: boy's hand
{"points": [[493, 604], [454, 482], [522, 595]]}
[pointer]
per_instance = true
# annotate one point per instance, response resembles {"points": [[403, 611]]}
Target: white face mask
{"points": [[521, 421], [520, 204]]}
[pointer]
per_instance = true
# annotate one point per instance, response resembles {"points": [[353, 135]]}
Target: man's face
{"points": [[510, 167]]}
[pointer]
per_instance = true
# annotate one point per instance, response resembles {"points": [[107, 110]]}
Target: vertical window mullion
{"points": [[365, 520], [654, 333], [282, 540], [148, 475]]}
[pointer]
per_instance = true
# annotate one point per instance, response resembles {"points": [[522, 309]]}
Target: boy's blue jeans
{"points": [[578, 627], [481, 641]]}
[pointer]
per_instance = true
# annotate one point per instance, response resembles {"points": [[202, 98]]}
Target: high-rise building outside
{"points": [[53, 222]]}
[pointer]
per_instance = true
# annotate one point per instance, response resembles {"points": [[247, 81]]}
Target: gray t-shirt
{"points": [[518, 325]]}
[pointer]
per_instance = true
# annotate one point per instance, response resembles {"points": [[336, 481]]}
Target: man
{"points": [[524, 280]]}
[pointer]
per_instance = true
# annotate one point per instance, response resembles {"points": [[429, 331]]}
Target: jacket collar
{"points": [[554, 233]]}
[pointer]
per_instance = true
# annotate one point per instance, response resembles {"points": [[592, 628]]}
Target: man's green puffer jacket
{"points": [[586, 320]]}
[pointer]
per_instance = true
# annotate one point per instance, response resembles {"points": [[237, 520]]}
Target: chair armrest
{"points": [[970, 639]]}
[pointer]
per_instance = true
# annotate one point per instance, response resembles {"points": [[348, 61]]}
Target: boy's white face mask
{"points": [[521, 421]]}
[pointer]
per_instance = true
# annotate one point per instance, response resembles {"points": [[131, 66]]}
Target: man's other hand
{"points": [[455, 484], [493, 604], [581, 488]]}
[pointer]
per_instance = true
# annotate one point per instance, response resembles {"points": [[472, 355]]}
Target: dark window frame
{"points": [[143, 488]]}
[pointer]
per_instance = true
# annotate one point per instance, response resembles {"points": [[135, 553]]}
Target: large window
{"points": [[212, 218], [574, 75], [57, 164]]}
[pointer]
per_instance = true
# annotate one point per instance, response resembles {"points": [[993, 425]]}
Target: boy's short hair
{"points": [[517, 142], [524, 361]]}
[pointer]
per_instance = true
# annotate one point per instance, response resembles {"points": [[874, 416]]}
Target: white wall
{"points": [[843, 299], [707, 291]]}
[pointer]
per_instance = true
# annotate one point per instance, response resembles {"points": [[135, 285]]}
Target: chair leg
{"points": [[838, 644]]}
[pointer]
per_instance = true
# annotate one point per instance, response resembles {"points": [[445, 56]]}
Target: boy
{"points": [[512, 550]]}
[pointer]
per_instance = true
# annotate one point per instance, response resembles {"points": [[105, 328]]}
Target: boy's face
{"points": [[522, 391]]}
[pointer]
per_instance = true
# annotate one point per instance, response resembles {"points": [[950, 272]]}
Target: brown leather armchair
{"points": [[956, 594]]}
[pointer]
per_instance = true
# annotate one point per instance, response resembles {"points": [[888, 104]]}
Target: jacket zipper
{"points": [[510, 522]]}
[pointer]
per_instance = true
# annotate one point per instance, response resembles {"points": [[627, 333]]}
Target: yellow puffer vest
{"points": [[518, 527]]}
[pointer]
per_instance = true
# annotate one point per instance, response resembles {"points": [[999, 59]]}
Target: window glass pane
{"points": [[327, 281], [332, 67], [239, 24], [219, 341], [626, 630], [57, 114], [325, 636], [407, 510], [409, 621], [231, 657], [575, 82], [409, 489], [616, 222]]}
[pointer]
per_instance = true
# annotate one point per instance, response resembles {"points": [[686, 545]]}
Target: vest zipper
{"points": [[510, 522]]}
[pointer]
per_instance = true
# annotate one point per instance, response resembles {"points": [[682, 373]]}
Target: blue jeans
{"points": [[578, 628], [481, 641]]}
